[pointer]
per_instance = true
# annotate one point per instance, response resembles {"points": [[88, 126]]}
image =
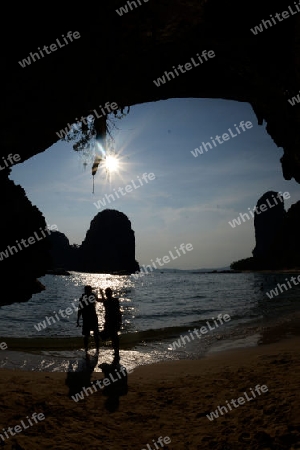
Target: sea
{"points": [[158, 309]]}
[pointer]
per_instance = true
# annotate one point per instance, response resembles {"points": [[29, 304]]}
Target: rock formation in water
{"points": [[62, 253], [290, 242], [276, 234], [268, 222], [109, 246]]}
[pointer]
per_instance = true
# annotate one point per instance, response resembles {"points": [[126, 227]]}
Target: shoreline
{"points": [[67, 355], [173, 398], [284, 271]]}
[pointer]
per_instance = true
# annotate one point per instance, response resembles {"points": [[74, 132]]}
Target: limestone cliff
{"points": [[24, 248], [109, 246], [276, 235], [268, 223]]}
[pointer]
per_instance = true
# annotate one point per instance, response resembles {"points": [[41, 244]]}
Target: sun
{"points": [[111, 163]]}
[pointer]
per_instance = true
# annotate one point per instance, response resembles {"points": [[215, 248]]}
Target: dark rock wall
{"points": [[29, 260]]}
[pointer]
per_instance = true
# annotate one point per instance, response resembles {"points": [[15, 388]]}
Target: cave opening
{"points": [[208, 161]]}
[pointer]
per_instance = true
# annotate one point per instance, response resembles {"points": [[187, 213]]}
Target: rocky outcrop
{"points": [[268, 223], [61, 252], [109, 246], [276, 234], [290, 242]]}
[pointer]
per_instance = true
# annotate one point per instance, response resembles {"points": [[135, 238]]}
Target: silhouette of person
{"points": [[87, 309], [113, 321]]}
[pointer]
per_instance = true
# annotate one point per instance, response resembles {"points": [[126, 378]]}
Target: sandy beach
{"points": [[167, 400]]}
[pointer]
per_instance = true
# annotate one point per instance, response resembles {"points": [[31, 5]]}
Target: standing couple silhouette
{"points": [[113, 319]]}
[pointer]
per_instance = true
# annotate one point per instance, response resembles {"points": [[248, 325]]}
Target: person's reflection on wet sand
{"points": [[117, 388], [82, 377], [113, 385]]}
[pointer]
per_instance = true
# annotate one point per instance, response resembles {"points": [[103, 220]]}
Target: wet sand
{"points": [[170, 399]]}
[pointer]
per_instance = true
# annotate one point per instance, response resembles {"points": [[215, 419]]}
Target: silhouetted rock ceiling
{"points": [[117, 58]]}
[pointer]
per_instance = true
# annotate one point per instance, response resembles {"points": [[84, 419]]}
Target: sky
{"points": [[190, 200]]}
